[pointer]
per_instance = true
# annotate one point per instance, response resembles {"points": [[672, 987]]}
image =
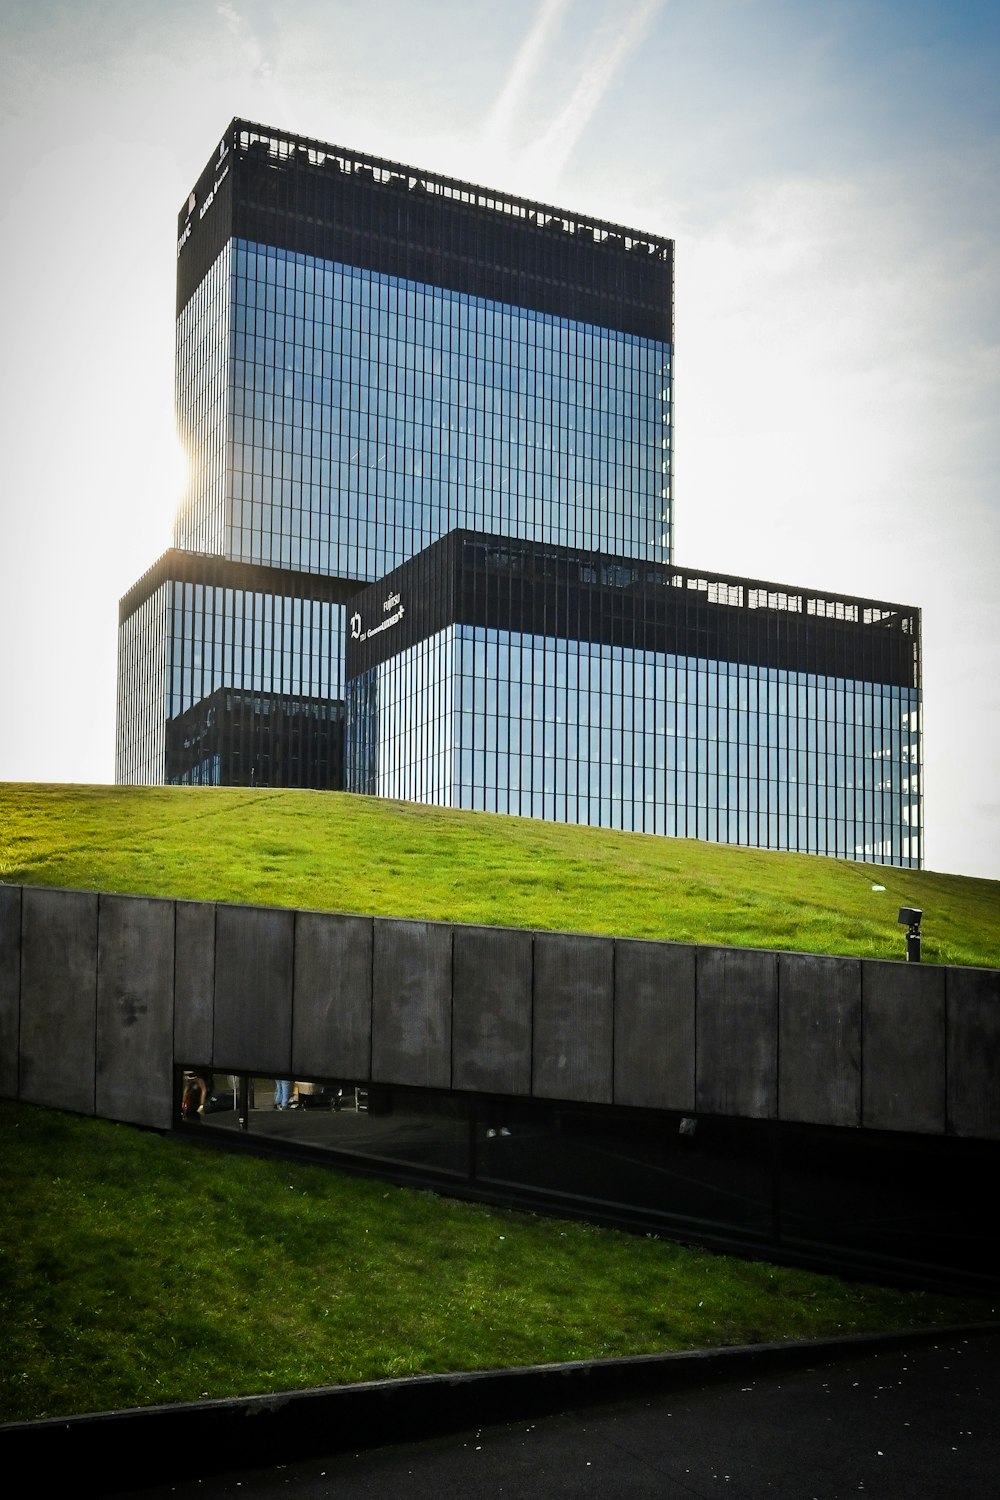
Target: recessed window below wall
{"points": [[409, 1128], [204, 1095], [881, 1202], [713, 1173], [889, 1197]]}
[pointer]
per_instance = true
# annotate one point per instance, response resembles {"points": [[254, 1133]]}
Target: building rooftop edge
{"points": [[701, 580], [476, 194], [720, 587], [179, 564]]}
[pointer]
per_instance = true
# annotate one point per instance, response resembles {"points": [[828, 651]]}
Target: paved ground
{"points": [[912, 1424]]}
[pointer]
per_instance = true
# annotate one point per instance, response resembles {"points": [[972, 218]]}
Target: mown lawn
{"points": [[337, 852], [138, 1269]]}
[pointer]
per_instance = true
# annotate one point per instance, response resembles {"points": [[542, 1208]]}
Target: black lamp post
{"points": [[910, 917]]}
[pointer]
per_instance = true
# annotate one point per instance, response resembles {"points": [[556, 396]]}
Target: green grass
{"points": [[138, 1269], [337, 852]]}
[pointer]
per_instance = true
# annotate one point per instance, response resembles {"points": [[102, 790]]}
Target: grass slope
{"points": [[337, 852], [137, 1269]]}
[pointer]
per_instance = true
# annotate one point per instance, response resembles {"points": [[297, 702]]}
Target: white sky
{"points": [[828, 170]]}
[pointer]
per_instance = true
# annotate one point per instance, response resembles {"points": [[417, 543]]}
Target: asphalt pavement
{"points": [[893, 1419]]}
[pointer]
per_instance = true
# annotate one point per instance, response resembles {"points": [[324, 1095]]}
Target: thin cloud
{"points": [[497, 130], [553, 149], [250, 41]]}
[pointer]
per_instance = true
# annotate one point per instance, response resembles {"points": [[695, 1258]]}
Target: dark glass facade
{"points": [[515, 678], [257, 739]]}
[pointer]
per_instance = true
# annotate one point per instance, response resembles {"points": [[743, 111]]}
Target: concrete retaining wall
{"points": [[135, 991], [58, 999], [101, 995]]}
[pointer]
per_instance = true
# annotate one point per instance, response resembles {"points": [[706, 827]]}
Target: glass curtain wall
{"points": [[255, 641], [364, 415], [623, 738], [254, 688], [203, 378], [140, 735], [233, 686]]}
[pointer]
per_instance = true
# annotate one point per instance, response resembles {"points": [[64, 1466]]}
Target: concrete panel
{"points": [[58, 998], [254, 950], [573, 1027], [737, 1033], [194, 982], [819, 1039], [654, 1025], [973, 997], [10, 987], [332, 1000], [491, 1024], [411, 1003], [903, 1042], [135, 1010]]}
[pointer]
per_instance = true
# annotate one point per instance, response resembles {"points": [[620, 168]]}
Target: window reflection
{"points": [[375, 396], [633, 768]]}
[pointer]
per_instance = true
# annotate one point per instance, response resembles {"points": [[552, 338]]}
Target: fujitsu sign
{"points": [[393, 604]]}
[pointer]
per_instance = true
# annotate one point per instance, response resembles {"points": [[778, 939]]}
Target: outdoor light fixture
{"points": [[910, 917]]}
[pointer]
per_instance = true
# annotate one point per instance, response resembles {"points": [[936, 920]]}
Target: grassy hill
{"points": [[337, 852], [136, 1268]]}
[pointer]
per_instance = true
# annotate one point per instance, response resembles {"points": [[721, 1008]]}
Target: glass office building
{"points": [[369, 356], [555, 683], [372, 358]]}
